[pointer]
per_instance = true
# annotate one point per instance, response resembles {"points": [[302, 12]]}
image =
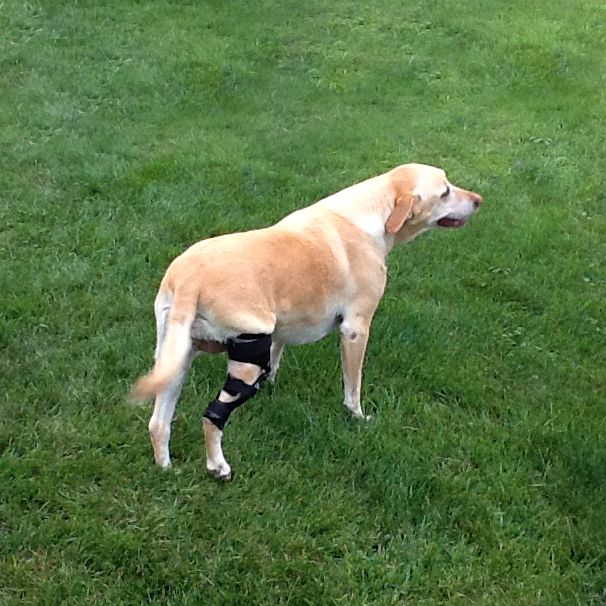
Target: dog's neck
{"points": [[368, 205]]}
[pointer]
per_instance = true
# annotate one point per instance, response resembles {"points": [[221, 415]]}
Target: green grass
{"points": [[131, 130]]}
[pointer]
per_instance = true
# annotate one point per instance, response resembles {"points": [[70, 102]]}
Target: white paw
{"points": [[358, 414], [221, 472], [163, 461]]}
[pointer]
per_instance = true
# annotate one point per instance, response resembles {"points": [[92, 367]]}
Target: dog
{"points": [[252, 293]]}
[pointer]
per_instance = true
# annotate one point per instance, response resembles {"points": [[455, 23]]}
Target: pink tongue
{"points": [[447, 222]]}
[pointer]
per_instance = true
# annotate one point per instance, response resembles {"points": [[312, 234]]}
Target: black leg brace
{"points": [[253, 349]]}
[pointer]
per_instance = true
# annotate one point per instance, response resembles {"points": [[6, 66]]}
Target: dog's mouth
{"points": [[450, 222]]}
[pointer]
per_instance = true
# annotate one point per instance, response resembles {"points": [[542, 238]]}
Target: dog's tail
{"points": [[172, 349]]}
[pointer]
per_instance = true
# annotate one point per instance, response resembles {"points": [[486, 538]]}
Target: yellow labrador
{"points": [[251, 293]]}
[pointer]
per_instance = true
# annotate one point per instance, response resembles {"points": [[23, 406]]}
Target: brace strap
{"points": [[235, 387], [252, 349], [218, 412]]}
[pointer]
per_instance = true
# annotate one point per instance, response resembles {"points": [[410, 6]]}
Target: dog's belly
{"points": [[298, 332]]}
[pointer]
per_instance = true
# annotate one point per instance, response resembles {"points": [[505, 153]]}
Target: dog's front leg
{"points": [[354, 338]]}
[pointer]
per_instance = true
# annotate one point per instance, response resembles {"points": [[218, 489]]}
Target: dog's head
{"points": [[424, 198]]}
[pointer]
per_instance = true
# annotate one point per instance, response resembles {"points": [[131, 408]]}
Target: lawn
{"points": [[129, 130]]}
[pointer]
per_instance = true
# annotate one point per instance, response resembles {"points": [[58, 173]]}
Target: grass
{"points": [[131, 130]]}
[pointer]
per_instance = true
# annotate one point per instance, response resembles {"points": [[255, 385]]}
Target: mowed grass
{"points": [[130, 130]]}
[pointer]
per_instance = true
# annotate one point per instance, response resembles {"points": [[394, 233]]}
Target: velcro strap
{"points": [[236, 387], [252, 349], [218, 412]]}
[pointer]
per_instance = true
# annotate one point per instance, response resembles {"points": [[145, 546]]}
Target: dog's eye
{"points": [[446, 193]]}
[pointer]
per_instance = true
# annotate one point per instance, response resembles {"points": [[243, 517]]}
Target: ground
{"points": [[130, 130]]}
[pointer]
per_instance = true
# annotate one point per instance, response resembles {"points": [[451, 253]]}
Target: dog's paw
{"points": [[164, 463], [222, 473], [358, 414]]}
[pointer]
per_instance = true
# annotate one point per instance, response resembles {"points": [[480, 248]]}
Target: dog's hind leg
{"points": [[164, 410], [248, 366], [161, 311], [166, 400], [218, 411], [277, 349]]}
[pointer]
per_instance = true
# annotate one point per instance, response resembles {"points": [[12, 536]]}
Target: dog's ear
{"points": [[401, 211]]}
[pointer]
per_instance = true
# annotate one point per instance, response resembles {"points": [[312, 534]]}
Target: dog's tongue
{"points": [[448, 222]]}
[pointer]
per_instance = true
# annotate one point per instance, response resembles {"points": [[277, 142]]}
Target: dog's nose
{"points": [[476, 199]]}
